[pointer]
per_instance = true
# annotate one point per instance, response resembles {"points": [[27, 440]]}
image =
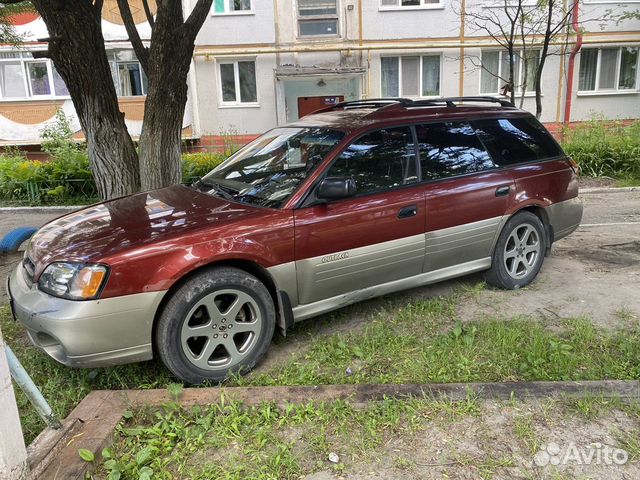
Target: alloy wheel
{"points": [[521, 251], [221, 329]]}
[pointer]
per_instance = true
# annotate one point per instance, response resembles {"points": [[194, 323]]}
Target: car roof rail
{"points": [[367, 103], [501, 101], [399, 103]]}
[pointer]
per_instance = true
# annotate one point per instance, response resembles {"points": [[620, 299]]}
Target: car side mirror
{"points": [[334, 188]]}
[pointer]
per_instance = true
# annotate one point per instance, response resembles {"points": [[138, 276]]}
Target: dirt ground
{"points": [[504, 440]]}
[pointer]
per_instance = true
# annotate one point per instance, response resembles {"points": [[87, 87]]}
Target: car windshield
{"points": [[267, 171]]}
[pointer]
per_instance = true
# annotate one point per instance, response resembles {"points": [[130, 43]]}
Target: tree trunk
{"points": [[169, 61], [75, 33]]}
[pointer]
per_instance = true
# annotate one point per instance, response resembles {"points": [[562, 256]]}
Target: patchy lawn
{"points": [[409, 439], [399, 339]]}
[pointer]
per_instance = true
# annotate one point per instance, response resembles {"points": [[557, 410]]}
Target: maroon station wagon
{"points": [[358, 200]]}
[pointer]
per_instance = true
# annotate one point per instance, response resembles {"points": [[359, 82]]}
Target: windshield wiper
{"points": [[215, 187]]}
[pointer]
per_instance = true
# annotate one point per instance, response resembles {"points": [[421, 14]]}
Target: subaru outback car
{"points": [[358, 200]]}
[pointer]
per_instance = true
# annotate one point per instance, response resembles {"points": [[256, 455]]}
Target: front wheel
{"points": [[220, 321], [519, 252]]}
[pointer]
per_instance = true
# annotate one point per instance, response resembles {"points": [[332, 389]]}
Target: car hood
{"points": [[129, 222]]}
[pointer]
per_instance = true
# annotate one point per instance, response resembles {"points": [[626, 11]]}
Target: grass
{"points": [[417, 346], [525, 432], [401, 341], [606, 148], [228, 440]]}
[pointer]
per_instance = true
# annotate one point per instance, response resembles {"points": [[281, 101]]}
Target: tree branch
{"points": [[147, 12], [197, 17], [142, 52]]}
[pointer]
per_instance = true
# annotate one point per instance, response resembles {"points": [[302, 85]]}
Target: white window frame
{"points": [[231, 13], [501, 52], [24, 59], [424, 5], [238, 103], [616, 90], [513, 3], [117, 70], [420, 55], [605, 2], [318, 18]]}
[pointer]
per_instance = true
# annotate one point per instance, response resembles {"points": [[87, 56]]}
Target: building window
{"points": [[127, 74], [411, 76], [23, 77], [407, 4], [495, 71], [608, 69], [317, 17], [230, 7], [238, 82]]}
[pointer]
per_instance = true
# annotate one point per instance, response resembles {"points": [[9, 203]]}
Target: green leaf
{"points": [[174, 389], [107, 453], [114, 475], [144, 455], [145, 473], [86, 455]]}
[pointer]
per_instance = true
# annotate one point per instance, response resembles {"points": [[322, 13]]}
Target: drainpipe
{"points": [[572, 58]]}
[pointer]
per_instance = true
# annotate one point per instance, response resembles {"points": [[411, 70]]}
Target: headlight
{"points": [[75, 281]]}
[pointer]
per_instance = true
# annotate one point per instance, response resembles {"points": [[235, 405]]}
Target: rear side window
{"points": [[378, 160], [516, 140], [449, 149]]}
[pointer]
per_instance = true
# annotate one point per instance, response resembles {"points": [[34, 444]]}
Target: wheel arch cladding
{"points": [[252, 268]]}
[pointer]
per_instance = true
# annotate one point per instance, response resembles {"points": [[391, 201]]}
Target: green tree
{"points": [[8, 33], [77, 48]]}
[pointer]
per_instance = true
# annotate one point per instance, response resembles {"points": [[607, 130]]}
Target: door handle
{"points": [[503, 190], [406, 212]]}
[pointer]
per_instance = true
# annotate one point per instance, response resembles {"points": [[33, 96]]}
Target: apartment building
{"points": [[262, 63]]}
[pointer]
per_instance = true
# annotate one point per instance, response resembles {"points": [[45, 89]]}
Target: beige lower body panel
{"points": [[461, 244], [341, 272], [302, 312]]}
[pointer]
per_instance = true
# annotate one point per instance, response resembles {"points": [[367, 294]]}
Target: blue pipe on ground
{"points": [[12, 240]]}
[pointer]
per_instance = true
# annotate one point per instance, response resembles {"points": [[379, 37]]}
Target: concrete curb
{"points": [[42, 209], [54, 454], [608, 190]]}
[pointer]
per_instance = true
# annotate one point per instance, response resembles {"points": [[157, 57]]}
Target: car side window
{"points": [[450, 148], [516, 140], [378, 160]]}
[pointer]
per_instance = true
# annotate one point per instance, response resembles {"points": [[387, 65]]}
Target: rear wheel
{"points": [[519, 252], [220, 321]]}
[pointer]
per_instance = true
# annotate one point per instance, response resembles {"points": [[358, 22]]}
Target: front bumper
{"points": [[92, 333]]}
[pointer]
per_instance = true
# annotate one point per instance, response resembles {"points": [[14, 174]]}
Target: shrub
{"points": [[196, 165], [67, 178], [605, 148]]}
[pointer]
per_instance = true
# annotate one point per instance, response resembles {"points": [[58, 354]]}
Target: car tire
{"points": [[519, 252], [219, 322]]}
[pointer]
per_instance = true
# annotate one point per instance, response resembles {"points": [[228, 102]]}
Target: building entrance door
{"points": [[307, 105]]}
